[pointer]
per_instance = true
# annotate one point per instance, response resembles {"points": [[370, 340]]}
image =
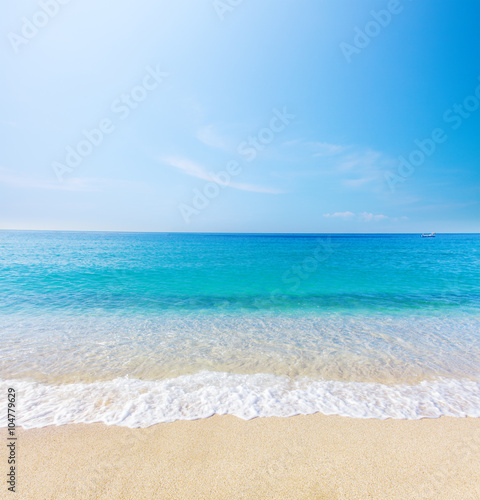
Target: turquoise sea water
{"points": [[138, 328]]}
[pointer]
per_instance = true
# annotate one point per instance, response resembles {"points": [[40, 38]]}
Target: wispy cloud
{"points": [[188, 167], [352, 167], [367, 217], [78, 184], [195, 170], [293, 142], [356, 183], [446, 206], [359, 160], [363, 168], [363, 216], [342, 215], [327, 149], [318, 148], [210, 137], [9, 123], [9, 178]]}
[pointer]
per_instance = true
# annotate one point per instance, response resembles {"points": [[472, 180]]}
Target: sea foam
{"points": [[141, 403]]}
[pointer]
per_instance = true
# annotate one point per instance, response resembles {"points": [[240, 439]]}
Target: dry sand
{"points": [[223, 457]]}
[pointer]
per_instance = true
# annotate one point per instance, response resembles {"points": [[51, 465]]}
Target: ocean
{"points": [[134, 329]]}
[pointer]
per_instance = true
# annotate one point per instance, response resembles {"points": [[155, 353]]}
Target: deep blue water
{"points": [[240, 273]]}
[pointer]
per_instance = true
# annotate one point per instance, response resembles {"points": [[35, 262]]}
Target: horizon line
{"points": [[207, 232]]}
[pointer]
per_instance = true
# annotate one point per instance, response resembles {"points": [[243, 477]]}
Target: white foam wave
{"points": [[141, 403]]}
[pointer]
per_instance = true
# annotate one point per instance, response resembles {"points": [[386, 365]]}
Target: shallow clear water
{"points": [[138, 328]]}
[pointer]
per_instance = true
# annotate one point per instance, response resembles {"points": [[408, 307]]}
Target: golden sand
{"points": [[224, 457]]}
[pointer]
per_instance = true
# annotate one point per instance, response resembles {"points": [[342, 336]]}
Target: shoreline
{"points": [[299, 457], [138, 403]]}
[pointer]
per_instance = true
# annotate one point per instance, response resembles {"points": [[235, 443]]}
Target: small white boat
{"points": [[431, 235]]}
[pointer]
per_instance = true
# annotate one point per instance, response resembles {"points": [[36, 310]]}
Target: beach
{"points": [[188, 366], [224, 457], [240, 250]]}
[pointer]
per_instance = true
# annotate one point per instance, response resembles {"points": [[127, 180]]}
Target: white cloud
{"points": [[367, 217], [363, 216], [195, 170], [343, 215]]}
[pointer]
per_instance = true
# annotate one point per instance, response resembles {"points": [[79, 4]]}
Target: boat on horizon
{"points": [[431, 235]]}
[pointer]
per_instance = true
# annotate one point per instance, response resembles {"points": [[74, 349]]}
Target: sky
{"points": [[240, 116]]}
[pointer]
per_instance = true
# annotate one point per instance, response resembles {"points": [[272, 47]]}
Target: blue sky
{"points": [[265, 116]]}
